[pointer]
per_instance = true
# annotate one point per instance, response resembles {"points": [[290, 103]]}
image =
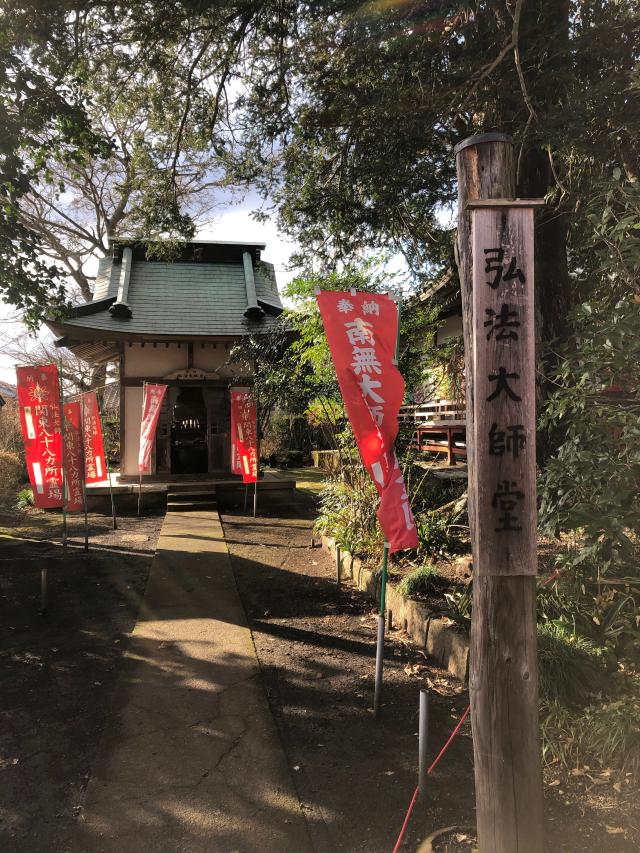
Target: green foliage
{"points": [[438, 538], [606, 734], [93, 146], [347, 511], [111, 435], [42, 115], [430, 369], [309, 351], [580, 602], [25, 499], [571, 668], [423, 582], [459, 604], [591, 483]]}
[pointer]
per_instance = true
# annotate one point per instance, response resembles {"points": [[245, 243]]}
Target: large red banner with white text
{"points": [[39, 403], [94, 457], [243, 417], [236, 461], [361, 329], [151, 402], [73, 457]]}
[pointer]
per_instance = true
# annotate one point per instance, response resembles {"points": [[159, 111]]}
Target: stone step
{"points": [[191, 506], [175, 497]]}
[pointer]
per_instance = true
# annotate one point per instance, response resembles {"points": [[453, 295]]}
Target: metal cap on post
{"points": [[480, 138]]}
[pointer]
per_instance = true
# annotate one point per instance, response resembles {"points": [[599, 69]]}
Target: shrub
{"points": [[348, 503], [458, 607], [571, 667], [437, 536], [10, 474], [25, 499]]}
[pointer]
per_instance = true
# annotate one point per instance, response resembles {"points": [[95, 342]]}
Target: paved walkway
{"points": [[191, 759]]}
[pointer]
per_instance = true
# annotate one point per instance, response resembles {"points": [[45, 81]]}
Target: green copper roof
{"points": [[183, 298]]}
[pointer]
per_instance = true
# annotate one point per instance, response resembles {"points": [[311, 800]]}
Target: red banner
{"points": [[236, 462], [151, 402], [39, 402], [361, 329], [95, 465], [73, 457], [243, 417]]}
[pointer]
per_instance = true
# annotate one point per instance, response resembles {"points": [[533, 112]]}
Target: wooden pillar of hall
{"points": [[503, 682]]}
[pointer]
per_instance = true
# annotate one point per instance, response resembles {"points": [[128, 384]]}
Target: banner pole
{"points": [[84, 477], [423, 730], [139, 468], [43, 591], [64, 479], [383, 574], [255, 485], [106, 461]]}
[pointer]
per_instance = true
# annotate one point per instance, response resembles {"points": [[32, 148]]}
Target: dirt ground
{"points": [[59, 671], [355, 775], [316, 646]]}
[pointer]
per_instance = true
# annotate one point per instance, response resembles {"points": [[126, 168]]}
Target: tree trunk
{"points": [[544, 44]]}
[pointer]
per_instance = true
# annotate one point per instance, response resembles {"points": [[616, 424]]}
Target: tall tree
{"points": [[345, 113], [76, 207], [43, 115], [94, 146]]}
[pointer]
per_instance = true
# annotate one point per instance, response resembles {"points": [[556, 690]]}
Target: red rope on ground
{"points": [[451, 737], [437, 758], [406, 821]]}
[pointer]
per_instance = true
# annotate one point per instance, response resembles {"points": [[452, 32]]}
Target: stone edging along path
{"points": [[437, 636]]}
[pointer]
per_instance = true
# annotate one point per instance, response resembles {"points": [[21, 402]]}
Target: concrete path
{"points": [[191, 760]]}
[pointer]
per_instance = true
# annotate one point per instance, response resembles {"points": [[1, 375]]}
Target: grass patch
{"points": [[423, 582]]}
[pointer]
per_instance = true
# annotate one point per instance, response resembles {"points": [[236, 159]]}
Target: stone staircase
{"points": [[191, 501]]}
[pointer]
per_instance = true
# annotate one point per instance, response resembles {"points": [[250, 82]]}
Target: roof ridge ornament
{"points": [[120, 309], [253, 311]]}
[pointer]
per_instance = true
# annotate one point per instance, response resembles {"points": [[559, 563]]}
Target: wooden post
{"points": [[503, 681]]}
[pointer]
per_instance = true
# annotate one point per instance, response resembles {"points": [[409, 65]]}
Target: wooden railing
{"points": [[439, 427]]}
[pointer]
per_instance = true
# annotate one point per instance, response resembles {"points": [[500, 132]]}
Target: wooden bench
{"points": [[439, 427]]}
